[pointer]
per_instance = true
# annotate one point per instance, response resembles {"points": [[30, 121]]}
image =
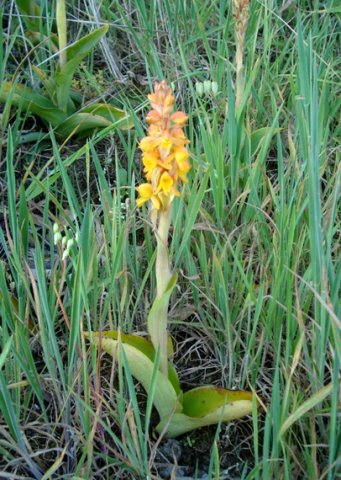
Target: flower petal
{"points": [[166, 182], [153, 117], [179, 118], [148, 143]]}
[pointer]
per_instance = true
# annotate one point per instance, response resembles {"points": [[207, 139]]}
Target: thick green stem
{"points": [[61, 28], [158, 331], [162, 269]]}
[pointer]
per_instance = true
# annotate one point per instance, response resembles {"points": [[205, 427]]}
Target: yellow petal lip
{"points": [[166, 182], [179, 137], [181, 154], [145, 190], [146, 193], [150, 160], [165, 142]]}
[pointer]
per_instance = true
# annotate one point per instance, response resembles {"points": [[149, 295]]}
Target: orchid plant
{"points": [[165, 158], [56, 103]]}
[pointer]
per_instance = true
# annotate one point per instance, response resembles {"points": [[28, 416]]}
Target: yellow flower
{"points": [[165, 146], [145, 190], [181, 155], [166, 182], [148, 143], [150, 160], [182, 173]]}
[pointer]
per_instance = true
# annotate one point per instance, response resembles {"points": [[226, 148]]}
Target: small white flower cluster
{"points": [[65, 241], [207, 87]]}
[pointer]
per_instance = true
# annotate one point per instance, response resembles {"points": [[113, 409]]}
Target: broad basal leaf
{"points": [[201, 401], [75, 54], [84, 122], [206, 406], [111, 113], [141, 367], [32, 102], [79, 123]]}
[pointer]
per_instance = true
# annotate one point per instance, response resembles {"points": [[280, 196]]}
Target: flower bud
{"points": [[199, 88], [57, 238], [207, 87], [69, 243], [55, 228], [214, 87]]}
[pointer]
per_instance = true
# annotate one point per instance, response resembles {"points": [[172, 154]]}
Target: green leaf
{"points": [[49, 83], [200, 401], [111, 113], [192, 211], [211, 404], [258, 136], [89, 118], [81, 123], [157, 318], [62, 30], [5, 351], [84, 45], [314, 400], [76, 315], [32, 102], [38, 186], [11, 299], [75, 52], [146, 347], [38, 31], [8, 413], [30, 13], [141, 367]]}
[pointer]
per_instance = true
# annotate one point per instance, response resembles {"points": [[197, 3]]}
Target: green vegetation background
{"points": [[256, 241]]}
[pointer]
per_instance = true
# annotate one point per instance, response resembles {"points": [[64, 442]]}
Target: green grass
{"points": [[255, 239]]}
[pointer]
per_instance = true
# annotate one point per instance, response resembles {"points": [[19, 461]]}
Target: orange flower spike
{"points": [[164, 149]]}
